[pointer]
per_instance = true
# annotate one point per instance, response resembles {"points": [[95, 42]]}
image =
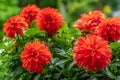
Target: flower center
{"points": [[93, 49], [32, 54], [48, 18]]}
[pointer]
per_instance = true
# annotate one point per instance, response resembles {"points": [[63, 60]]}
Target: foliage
{"points": [[62, 67]]}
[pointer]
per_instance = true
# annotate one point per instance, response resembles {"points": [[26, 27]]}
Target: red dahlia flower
{"points": [[109, 29], [92, 53], [88, 22], [34, 56], [30, 12], [49, 20], [14, 26]]}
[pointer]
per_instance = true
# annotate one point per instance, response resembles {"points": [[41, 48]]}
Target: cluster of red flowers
{"points": [[92, 52], [48, 19], [96, 23], [34, 56]]}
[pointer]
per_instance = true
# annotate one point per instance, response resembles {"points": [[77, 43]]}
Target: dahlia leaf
{"points": [[64, 28], [55, 60], [61, 63], [109, 73], [57, 75], [117, 64], [118, 77], [84, 75], [36, 77], [34, 31], [60, 51], [115, 45], [93, 78]]}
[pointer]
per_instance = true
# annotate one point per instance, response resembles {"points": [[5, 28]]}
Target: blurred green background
{"points": [[70, 9]]}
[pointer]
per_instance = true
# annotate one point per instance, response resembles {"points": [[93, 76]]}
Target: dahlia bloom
{"points": [[92, 53], [49, 20], [34, 56], [14, 26], [109, 29], [89, 22], [30, 12]]}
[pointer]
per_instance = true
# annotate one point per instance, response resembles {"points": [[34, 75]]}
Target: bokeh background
{"points": [[70, 9]]}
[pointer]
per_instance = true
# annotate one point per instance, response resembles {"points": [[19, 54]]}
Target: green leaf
{"points": [[36, 77], [55, 60], [115, 45], [60, 51], [93, 78], [64, 28], [34, 31], [116, 63], [84, 75], [57, 75], [61, 63], [109, 73], [118, 77]]}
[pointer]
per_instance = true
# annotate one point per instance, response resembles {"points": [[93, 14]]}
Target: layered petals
{"points": [[30, 12], [34, 56], [49, 20], [109, 29], [92, 53], [14, 25], [89, 22]]}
